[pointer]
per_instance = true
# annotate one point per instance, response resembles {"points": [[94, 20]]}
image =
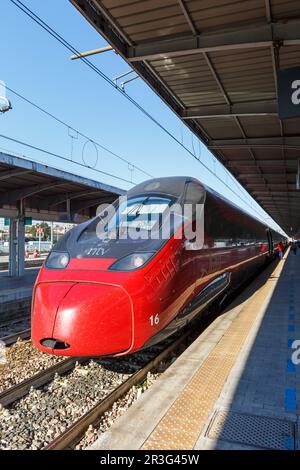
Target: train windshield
{"points": [[137, 214], [132, 224], [142, 221]]}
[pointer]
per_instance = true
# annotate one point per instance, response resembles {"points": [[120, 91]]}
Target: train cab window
{"points": [[140, 213]]}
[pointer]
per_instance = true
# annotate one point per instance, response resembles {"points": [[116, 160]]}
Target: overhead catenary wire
{"points": [[68, 126], [72, 49], [53, 154]]}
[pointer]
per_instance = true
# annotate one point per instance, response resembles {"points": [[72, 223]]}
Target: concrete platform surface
{"points": [[12, 289], [235, 387]]}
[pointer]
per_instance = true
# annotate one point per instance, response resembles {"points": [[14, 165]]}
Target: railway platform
{"points": [[236, 387], [12, 288], [28, 263]]}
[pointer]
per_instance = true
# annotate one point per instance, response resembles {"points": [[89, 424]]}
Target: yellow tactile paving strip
{"points": [[181, 426]]}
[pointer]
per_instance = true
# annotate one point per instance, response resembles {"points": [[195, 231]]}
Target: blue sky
{"points": [[38, 67]]}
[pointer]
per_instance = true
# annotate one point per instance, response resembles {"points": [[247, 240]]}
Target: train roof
{"points": [[174, 186]]}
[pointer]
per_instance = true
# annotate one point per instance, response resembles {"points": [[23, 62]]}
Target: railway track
{"points": [[21, 389], [14, 311], [12, 323], [11, 331], [16, 323], [13, 338], [73, 434], [75, 431]]}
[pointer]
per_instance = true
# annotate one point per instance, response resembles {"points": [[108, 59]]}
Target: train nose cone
{"points": [[47, 297], [91, 320]]}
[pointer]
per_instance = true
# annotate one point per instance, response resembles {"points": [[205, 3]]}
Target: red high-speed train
{"points": [[102, 295]]}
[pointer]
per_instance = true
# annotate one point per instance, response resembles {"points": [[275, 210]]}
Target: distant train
{"points": [[108, 295]]}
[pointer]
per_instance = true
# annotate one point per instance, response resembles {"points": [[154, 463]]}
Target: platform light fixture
{"points": [[5, 104]]}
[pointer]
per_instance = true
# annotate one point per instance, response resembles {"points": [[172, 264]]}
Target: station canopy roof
{"points": [[48, 193], [215, 62]]}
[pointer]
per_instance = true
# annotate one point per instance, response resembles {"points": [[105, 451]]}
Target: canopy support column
{"points": [[12, 264], [21, 240]]}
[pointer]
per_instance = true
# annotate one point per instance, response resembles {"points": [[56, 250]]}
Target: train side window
{"points": [[195, 194], [217, 232]]}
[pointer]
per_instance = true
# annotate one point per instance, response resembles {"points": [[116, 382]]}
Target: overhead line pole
{"points": [[91, 52]]}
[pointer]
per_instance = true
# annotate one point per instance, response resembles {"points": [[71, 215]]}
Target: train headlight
{"points": [[131, 262], [57, 260]]}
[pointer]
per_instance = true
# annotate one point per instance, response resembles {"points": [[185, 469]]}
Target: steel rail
{"points": [[14, 321], [21, 389], [10, 339], [74, 433]]}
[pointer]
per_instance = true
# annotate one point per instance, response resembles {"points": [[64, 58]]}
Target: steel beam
{"points": [[216, 78], [78, 206], [286, 204], [19, 194], [292, 142], [247, 38], [274, 193], [187, 16], [266, 175], [253, 108], [295, 195], [266, 163], [255, 185], [5, 175], [60, 198], [280, 200], [268, 11]]}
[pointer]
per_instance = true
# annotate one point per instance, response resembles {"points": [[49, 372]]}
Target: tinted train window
{"points": [[195, 194], [227, 227]]}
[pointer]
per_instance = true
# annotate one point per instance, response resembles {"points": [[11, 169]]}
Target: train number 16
{"points": [[154, 320]]}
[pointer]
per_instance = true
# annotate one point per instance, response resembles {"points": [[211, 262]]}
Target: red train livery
{"points": [[101, 295]]}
